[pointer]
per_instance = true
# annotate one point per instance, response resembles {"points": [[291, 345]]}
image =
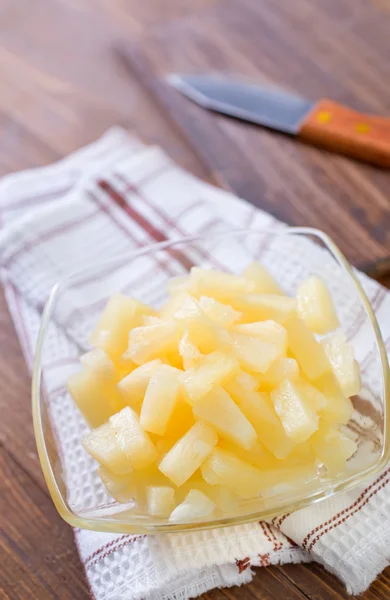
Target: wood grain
{"points": [[71, 68]]}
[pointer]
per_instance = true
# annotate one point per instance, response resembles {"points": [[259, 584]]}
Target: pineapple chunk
{"points": [[187, 309], [151, 320], [132, 439], [172, 305], [96, 397], [206, 335], [196, 505], [218, 409], [262, 307], [315, 306], [100, 363], [252, 353], [118, 486], [281, 369], [221, 314], [258, 455], [262, 278], [309, 353], [267, 331], [214, 369], [298, 417], [338, 408], [344, 365], [132, 388], [160, 500], [132, 486], [182, 419], [190, 354], [333, 449], [224, 468], [160, 399], [118, 318], [103, 446], [260, 412], [217, 285], [224, 498], [188, 453], [314, 396], [178, 284], [152, 341]]}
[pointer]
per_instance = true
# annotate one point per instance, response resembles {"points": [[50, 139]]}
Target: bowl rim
{"points": [[133, 526]]}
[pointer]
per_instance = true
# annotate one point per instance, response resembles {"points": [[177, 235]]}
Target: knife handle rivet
{"points": [[324, 116], [362, 128]]}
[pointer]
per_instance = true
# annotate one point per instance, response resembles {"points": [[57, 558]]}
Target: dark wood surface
{"points": [[71, 68]]}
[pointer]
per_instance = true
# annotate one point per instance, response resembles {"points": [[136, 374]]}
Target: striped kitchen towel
{"points": [[105, 200]]}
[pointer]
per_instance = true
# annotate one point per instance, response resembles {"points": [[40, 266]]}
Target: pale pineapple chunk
{"points": [[100, 363], [172, 305], [246, 381], [333, 449], [298, 417], [281, 369], [190, 354], [120, 315], [152, 341], [261, 307], [206, 335], [315, 306], [221, 314], [267, 331], [187, 309], [344, 365], [132, 388], [224, 468], [132, 486], [151, 320], [314, 396], [188, 453], [182, 419], [258, 455], [160, 399], [96, 397], [338, 408], [217, 285], [252, 353], [160, 500], [262, 278], [214, 369], [132, 439], [103, 446], [259, 410], [306, 349], [196, 505], [219, 410], [224, 498], [120, 487]]}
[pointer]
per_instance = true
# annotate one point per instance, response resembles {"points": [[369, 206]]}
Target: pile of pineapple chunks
{"points": [[223, 395]]}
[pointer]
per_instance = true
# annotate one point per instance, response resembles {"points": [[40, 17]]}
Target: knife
{"points": [[323, 123]]}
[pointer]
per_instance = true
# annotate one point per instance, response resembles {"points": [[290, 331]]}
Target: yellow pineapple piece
{"points": [[172, 305], [95, 396], [214, 369], [219, 410], [187, 308], [281, 369], [152, 341], [246, 381], [160, 399], [120, 487], [181, 420], [225, 500], [217, 285], [206, 335], [345, 367], [260, 412], [196, 505], [253, 353], [306, 349], [267, 331], [151, 320], [315, 306], [258, 455], [190, 354], [132, 439], [221, 314], [120, 315], [338, 408], [132, 486], [188, 453], [224, 468], [314, 396], [333, 449], [263, 307], [262, 278], [298, 416], [103, 446], [132, 388], [98, 361], [160, 500]]}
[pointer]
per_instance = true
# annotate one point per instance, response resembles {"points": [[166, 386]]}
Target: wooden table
{"points": [[63, 82]]}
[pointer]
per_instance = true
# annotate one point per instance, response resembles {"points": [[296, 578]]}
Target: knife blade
{"points": [[323, 123]]}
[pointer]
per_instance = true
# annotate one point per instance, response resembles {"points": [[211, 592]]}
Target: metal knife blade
{"points": [[265, 106]]}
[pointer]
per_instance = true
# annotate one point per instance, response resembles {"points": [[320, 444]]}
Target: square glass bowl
{"points": [[291, 255]]}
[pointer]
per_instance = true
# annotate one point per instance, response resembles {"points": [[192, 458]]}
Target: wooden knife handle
{"points": [[345, 131]]}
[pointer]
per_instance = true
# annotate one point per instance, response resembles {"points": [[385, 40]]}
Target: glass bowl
{"points": [[74, 304]]}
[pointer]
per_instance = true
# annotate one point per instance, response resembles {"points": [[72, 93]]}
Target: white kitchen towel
{"points": [[105, 200]]}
